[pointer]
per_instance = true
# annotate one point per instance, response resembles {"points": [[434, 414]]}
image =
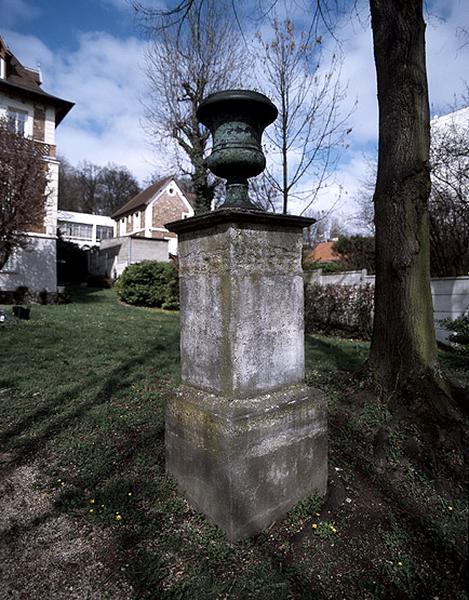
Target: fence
{"points": [[450, 294]]}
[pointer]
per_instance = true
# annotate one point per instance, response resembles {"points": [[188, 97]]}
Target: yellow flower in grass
{"points": [[314, 525], [92, 501], [450, 508], [118, 517], [91, 510]]}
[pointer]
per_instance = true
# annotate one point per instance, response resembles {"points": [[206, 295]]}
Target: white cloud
{"points": [[446, 67], [104, 77], [119, 4], [105, 80], [13, 11], [446, 59]]}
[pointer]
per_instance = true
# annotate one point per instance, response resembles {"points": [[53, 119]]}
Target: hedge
{"points": [[339, 309]]}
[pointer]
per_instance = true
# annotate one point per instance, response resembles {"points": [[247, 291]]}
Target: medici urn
{"points": [[236, 119], [245, 438]]}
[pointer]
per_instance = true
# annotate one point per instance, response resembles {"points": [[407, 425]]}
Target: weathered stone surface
{"points": [[242, 325], [245, 439], [245, 462]]}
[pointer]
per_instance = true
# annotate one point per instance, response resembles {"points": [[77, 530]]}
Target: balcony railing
{"points": [[47, 150]]}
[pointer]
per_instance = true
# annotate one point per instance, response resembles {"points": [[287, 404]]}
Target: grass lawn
{"points": [[87, 510]]}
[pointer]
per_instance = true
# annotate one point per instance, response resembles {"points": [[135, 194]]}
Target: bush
{"points": [[326, 267], [459, 328], [339, 309], [150, 283]]}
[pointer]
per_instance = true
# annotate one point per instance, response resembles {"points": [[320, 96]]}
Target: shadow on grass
{"points": [[117, 379], [83, 295], [331, 354]]}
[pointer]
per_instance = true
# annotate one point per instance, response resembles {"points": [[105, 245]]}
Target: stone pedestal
{"points": [[245, 439]]}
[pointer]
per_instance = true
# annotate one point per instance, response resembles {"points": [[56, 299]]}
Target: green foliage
{"points": [[305, 508], [98, 435], [339, 308], [358, 252], [326, 267], [150, 283], [460, 331]]}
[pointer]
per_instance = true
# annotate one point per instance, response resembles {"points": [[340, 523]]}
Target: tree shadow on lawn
{"points": [[384, 507], [334, 353], [86, 295], [24, 447]]}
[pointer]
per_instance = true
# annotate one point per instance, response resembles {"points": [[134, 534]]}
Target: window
{"points": [[3, 69], [17, 120], [103, 232], [76, 230]]}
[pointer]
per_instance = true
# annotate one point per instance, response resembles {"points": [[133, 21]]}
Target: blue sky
{"points": [[92, 53]]}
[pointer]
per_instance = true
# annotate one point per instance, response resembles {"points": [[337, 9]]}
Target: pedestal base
{"points": [[244, 463]]}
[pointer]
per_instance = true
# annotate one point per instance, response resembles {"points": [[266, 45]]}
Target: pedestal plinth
{"points": [[245, 439]]}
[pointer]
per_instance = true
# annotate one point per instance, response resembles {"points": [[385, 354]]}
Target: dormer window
{"points": [[3, 68], [17, 120]]}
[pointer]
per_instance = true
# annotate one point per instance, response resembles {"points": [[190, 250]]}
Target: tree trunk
{"points": [[403, 349]]}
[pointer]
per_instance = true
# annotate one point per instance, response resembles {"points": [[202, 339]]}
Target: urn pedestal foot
{"points": [[245, 462]]}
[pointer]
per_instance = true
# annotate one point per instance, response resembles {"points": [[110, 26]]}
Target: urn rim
{"points": [[259, 102]]}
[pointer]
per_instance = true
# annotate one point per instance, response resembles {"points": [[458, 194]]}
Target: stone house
{"points": [[145, 214], [34, 113]]}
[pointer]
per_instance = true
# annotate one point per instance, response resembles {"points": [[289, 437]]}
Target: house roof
{"points": [[323, 253], [146, 196], [142, 198], [25, 82]]}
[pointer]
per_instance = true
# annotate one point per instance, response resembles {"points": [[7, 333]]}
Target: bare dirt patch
{"points": [[45, 554]]}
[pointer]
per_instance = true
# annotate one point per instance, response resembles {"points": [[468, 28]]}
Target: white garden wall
{"points": [[450, 294]]}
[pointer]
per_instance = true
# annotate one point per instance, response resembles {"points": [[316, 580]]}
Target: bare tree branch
{"points": [[23, 183], [185, 62]]}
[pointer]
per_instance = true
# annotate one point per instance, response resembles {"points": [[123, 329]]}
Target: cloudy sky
{"points": [[92, 53]]}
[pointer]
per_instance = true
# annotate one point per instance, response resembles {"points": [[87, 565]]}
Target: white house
{"points": [[84, 229], [146, 213], [33, 113]]}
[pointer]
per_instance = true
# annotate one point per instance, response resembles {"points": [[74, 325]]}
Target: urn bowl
{"points": [[236, 119]]}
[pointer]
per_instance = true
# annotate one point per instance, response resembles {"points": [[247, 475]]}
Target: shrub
{"points": [[339, 309], [326, 267], [150, 283], [459, 328]]}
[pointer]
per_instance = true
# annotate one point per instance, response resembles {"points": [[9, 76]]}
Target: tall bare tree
{"points": [[95, 189], [449, 198], [403, 356], [306, 138], [264, 194], [185, 62], [23, 182]]}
